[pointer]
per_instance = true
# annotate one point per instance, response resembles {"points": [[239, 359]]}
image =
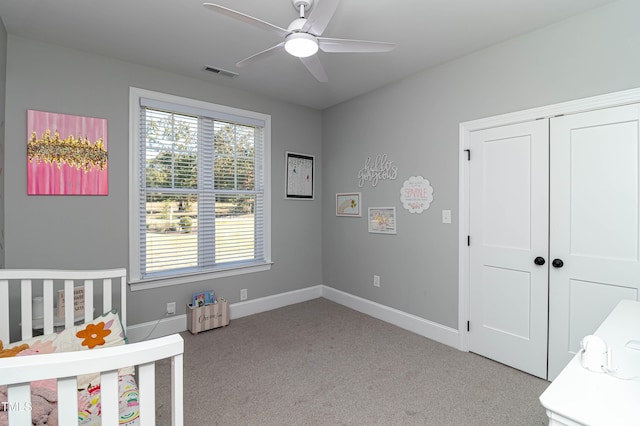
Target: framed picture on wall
{"points": [[66, 154], [348, 204], [299, 175], [382, 220]]}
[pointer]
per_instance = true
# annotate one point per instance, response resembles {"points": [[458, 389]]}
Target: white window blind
{"points": [[201, 190]]}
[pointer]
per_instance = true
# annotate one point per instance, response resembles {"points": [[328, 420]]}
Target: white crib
{"points": [[18, 372]]}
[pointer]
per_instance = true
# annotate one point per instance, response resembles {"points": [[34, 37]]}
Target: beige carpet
{"points": [[320, 363]]}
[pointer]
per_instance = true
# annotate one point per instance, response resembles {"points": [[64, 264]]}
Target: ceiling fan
{"points": [[303, 36]]}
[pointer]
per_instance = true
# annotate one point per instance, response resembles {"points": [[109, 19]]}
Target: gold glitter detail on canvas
{"points": [[76, 152]]}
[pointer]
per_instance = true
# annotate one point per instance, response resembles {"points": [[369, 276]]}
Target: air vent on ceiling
{"points": [[220, 71]]}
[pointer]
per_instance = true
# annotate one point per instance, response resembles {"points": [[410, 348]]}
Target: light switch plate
{"points": [[446, 216]]}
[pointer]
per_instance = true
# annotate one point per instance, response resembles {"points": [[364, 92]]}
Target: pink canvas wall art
{"points": [[66, 154]]}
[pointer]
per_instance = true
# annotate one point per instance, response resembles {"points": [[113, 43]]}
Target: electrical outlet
{"points": [[171, 308], [243, 294], [376, 280]]}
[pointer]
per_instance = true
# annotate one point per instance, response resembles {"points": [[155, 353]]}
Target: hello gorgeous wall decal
{"points": [[373, 171]]}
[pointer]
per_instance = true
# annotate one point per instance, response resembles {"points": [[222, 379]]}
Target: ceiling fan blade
{"points": [[315, 67], [260, 55], [320, 16], [341, 45], [258, 23]]}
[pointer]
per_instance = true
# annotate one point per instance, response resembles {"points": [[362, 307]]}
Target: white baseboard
{"points": [[178, 323], [165, 327], [255, 306], [415, 324]]}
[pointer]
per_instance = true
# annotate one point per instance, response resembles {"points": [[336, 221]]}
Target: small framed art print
{"points": [[382, 220], [348, 204]]}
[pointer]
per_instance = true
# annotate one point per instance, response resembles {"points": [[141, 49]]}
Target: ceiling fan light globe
{"points": [[301, 45]]}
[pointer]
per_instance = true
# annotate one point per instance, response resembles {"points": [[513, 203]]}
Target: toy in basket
{"points": [[206, 317]]}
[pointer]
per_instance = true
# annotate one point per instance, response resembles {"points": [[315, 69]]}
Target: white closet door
{"points": [[594, 226], [509, 181]]}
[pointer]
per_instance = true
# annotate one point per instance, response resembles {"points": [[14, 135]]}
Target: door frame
{"points": [[571, 107]]}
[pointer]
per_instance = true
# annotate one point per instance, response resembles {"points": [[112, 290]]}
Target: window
{"points": [[199, 190]]}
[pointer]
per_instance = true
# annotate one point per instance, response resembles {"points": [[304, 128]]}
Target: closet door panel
{"points": [[508, 228], [603, 188], [594, 223]]}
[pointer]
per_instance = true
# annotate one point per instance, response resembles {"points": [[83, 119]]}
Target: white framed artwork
{"points": [[382, 220], [349, 204]]}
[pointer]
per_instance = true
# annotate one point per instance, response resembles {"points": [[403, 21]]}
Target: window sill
{"points": [[157, 282]]}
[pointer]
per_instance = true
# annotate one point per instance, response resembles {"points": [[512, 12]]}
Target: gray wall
{"points": [[415, 122], [91, 231], [3, 74]]}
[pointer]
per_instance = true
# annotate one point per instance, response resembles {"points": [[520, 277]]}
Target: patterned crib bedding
{"points": [[45, 405], [90, 411], [104, 331]]}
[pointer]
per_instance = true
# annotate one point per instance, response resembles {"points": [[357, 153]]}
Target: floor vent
{"points": [[220, 71]]}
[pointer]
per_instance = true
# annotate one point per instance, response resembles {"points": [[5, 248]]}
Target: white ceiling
{"points": [[182, 36]]}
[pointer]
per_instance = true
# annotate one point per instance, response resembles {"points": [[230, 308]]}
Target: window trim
{"points": [[135, 280]]}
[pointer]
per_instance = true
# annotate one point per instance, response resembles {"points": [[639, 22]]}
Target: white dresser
{"points": [[581, 397]]}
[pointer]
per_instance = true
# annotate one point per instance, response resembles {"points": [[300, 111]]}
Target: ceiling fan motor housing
{"points": [[296, 25]]}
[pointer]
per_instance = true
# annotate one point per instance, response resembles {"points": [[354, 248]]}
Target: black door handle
{"points": [[557, 263], [539, 261]]}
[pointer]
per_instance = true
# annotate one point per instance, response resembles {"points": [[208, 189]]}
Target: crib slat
{"points": [[25, 298], [123, 299], [47, 294], [146, 388], [177, 416], [19, 402], [69, 314], [107, 302], [88, 301], [67, 401], [109, 397], [4, 310]]}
